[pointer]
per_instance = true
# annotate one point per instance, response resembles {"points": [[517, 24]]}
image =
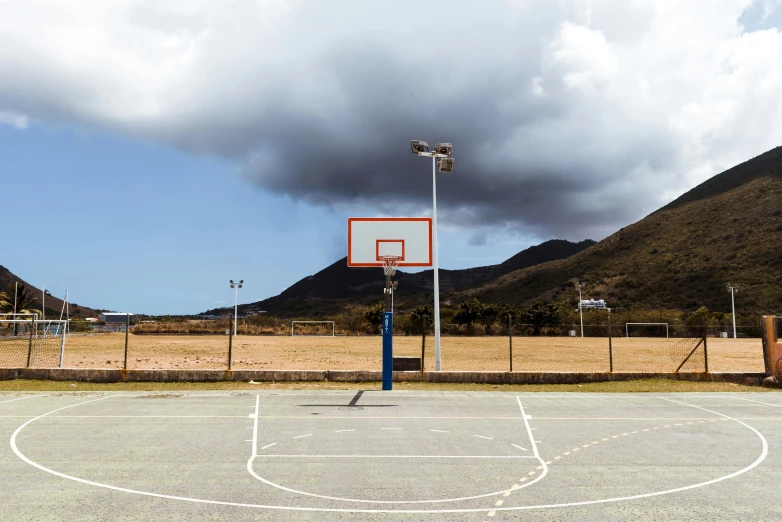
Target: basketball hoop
{"points": [[389, 264]]}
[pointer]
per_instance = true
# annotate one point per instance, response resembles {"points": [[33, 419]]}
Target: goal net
{"points": [[646, 330], [320, 328], [31, 342]]}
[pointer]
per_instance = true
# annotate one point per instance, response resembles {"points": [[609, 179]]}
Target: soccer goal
{"points": [[646, 330], [32, 342], [319, 328]]}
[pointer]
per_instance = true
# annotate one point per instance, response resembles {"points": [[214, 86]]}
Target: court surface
{"points": [[390, 456]]}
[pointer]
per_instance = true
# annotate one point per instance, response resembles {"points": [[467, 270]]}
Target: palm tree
{"points": [[17, 300]]}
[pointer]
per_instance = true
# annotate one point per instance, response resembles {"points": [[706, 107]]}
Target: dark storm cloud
{"points": [[360, 152], [568, 119]]}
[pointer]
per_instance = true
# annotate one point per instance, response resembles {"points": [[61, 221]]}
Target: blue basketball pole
{"points": [[388, 350]]}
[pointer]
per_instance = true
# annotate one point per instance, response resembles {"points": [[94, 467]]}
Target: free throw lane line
{"points": [[536, 456]]}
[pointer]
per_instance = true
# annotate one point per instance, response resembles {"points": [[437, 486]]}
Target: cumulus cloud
{"points": [[14, 120], [568, 118]]}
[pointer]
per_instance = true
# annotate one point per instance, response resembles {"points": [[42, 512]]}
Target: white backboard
{"points": [[371, 238]]}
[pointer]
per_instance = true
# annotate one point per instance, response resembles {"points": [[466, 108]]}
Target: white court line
{"points": [[390, 428], [757, 402], [20, 455], [483, 437], [23, 398], [440, 431], [397, 456], [302, 436], [516, 446], [343, 431], [255, 424], [269, 445], [252, 472]]}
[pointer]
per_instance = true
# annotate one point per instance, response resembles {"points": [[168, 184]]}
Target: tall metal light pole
{"points": [[237, 286], [579, 286], [442, 151], [732, 288]]}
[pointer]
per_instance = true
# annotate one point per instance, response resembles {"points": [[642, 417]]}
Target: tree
{"points": [[374, 315], [489, 315], [17, 300], [699, 318], [543, 313], [24, 299], [422, 314], [468, 313]]}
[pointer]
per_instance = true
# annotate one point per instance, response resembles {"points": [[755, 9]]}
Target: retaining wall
{"points": [[84, 375]]}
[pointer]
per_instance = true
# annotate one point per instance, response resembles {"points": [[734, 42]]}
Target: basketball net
{"points": [[389, 264]]}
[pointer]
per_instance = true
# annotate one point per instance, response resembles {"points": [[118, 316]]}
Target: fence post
{"points": [[62, 347], [510, 340], [30, 345], [230, 340], [705, 352], [423, 343], [610, 346], [127, 327]]}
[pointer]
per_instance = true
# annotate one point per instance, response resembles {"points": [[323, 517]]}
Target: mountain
{"points": [[337, 286], [53, 304], [727, 229]]}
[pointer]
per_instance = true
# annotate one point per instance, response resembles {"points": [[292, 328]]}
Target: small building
{"points": [[116, 318]]}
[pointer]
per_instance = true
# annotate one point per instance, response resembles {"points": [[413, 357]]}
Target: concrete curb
{"points": [[112, 375]]}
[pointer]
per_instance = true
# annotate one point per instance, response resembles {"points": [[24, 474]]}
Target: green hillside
{"points": [[728, 229]]}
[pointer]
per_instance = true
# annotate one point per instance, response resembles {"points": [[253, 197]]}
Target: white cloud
{"points": [[571, 105], [13, 119]]}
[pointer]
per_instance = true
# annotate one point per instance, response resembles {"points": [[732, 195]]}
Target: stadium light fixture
{"points": [[579, 287], [733, 288], [236, 286], [443, 152]]}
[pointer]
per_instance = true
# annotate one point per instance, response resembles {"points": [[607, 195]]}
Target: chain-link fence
{"points": [[511, 347], [562, 348]]}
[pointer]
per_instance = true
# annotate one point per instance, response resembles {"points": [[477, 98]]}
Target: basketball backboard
{"points": [[372, 239]]}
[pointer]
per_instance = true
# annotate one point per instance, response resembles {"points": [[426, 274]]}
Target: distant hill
{"points": [[53, 304], [727, 229], [337, 286]]}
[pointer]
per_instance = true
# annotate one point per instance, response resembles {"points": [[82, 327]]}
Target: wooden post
{"points": [[610, 345], [769, 342], [705, 352], [423, 343], [510, 340], [230, 341], [30, 345], [127, 327]]}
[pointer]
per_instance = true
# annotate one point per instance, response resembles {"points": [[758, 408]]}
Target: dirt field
{"points": [[364, 352]]}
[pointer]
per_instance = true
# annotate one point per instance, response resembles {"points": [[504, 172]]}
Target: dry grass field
{"points": [[573, 354]]}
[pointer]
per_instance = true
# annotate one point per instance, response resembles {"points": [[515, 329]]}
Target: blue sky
{"points": [[151, 151], [128, 225]]}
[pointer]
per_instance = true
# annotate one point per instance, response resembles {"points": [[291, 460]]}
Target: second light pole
{"points": [[733, 288], [443, 152], [236, 286], [579, 286]]}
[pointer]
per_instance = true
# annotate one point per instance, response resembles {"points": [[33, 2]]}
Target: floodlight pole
{"points": [[732, 289], [236, 287], [580, 308], [436, 268], [442, 150], [16, 292]]}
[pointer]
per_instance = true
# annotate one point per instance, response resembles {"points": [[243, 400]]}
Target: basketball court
{"points": [[389, 456]]}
